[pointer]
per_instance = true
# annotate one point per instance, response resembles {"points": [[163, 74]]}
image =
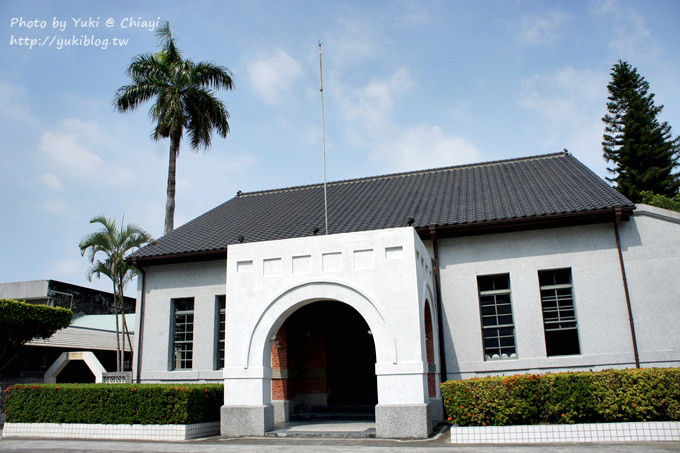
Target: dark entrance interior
{"points": [[351, 358], [76, 371], [328, 354]]}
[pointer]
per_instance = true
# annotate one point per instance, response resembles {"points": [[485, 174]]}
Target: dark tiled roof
{"points": [[474, 195]]}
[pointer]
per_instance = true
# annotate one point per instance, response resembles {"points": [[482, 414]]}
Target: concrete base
{"points": [[402, 421], [281, 411], [117, 432], [242, 421], [436, 411], [588, 432]]}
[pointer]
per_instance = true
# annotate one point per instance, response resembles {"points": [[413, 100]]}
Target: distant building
{"points": [[59, 294], [93, 329], [524, 265]]}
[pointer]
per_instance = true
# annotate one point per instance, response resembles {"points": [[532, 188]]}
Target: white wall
{"points": [[203, 281], [651, 252], [382, 274], [652, 258], [34, 289]]}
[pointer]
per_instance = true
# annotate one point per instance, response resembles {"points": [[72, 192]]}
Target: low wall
{"points": [[595, 432], [113, 432]]}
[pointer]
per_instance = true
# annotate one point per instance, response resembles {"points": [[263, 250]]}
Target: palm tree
{"points": [[185, 100], [114, 244]]}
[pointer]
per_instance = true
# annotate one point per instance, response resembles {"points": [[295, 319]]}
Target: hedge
{"points": [[583, 397], [146, 404]]}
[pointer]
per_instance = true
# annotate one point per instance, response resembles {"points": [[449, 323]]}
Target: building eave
{"points": [[188, 257], [526, 223], [443, 231]]}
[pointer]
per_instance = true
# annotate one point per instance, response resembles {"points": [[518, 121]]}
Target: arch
{"points": [[87, 356], [323, 356], [277, 311], [430, 346]]}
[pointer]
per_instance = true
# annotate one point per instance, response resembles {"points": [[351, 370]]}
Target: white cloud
{"points": [[570, 104], [563, 92], [273, 76], [548, 29], [14, 103], [57, 207], [73, 153], [52, 182], [367, 110], [368, 116], [355, 43], [425, 146], [626, 28], [239, 163], [66, 151], [414, 13], [68, 269]]}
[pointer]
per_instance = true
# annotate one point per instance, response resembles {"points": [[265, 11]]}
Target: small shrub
{"points": [[113, 403], [568, 398], [499, 400], [582, 397]]}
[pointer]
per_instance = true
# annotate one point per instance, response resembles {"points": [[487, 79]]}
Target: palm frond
{"points": [[167, 42], [210, 75], [205, 114]]}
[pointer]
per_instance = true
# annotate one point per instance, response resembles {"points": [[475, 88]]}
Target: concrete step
{"points": [[325, 429], [311, 413]]}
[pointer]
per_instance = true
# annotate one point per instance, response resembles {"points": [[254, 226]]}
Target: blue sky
{"points": [[407, 85]]}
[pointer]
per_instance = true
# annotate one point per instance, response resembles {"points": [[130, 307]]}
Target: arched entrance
{"points": [[355, 282], [323, 363]]}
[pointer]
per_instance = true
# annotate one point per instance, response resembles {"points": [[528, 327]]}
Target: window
{"points": [[220, 308], [498, 329], [559, 316], [183, 334]]}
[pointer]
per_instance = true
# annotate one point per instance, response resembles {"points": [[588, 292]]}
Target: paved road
{"points": [[298, 445]]}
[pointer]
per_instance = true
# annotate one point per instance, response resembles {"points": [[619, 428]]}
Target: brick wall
{"points": [[280, 387], [299, 364], [429, 348]]}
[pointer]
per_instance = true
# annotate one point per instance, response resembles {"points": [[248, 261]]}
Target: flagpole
{"points": [[323, 141]]}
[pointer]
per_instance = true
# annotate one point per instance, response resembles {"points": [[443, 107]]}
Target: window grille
{"points": [[498, 329], [183, 338], [221, 308], [559, 314]]}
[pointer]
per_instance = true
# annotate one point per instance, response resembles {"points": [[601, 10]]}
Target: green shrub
{"points": [[568, 398], [499, 400], [582, 397], [113, 403], [21, 322], [660, 201]]}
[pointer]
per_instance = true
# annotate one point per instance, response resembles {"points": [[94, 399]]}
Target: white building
{"points": [[525, 265]]}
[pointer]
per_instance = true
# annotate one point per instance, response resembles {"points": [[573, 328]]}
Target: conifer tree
{"points": [[642, 150]]}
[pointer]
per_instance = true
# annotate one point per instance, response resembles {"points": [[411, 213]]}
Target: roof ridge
{"points": [[403, 174]]}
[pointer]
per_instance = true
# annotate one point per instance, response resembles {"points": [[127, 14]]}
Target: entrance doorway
{"points": [[325, 356], [351, 358]]}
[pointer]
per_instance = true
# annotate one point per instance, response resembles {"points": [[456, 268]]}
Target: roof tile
{"points": [[468, 194]]}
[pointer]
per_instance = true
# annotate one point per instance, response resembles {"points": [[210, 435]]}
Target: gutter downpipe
{"points": [[617, 220], [139, 334], [440, 322]]}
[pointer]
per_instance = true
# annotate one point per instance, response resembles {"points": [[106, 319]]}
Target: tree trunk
{"points": [[170, 202], [126, 329], [115, 311]]}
